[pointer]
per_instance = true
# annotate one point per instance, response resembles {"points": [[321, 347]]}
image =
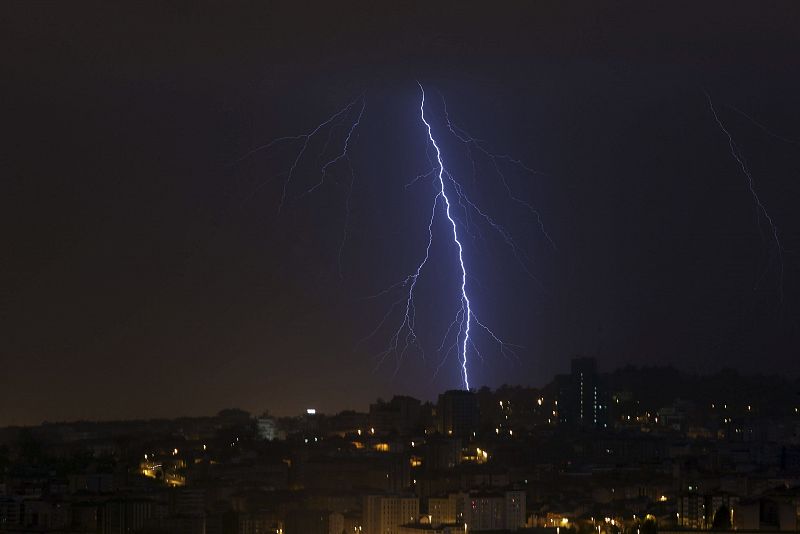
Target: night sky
{"points": [[146, 273]]}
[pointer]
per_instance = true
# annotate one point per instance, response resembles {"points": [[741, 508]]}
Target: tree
{"points": [[649, 526], [722, 519]]}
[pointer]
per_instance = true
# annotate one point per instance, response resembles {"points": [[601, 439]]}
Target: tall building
{"points": [[698, 511], [442, 510], [516, 509], [479, 510], [584, 376], [384, 514], [441, 453], [123, 515], [495, 511], [258, 523], [313, 522], [457, 413], [447, 510], [402, 415], [581, 397]]}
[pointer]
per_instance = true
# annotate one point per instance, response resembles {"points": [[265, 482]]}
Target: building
{"points": [[457, 413], [442, 510], [425, 528], [10, 511], [45, 514], [776, 510], [384, 514], [478, 511], [401, 415], [495, 511], [313, 522], [130, 514], [581, 397], [441, 453], [258, 523], [700, 511]]}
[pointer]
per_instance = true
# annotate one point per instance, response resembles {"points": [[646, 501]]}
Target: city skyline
{"points": [[636, 450], [664, 385]]}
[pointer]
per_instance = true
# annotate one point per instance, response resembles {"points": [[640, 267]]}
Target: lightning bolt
{"points": [[447, 191], [765, 129], [343, 154], [465, 312], [306, 139], [342, 157], [468, 207], [449, 198], [473, 143], [761, 210]]}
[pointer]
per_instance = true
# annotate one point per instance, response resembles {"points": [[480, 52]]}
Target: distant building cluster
{"points": [[636, 451]]}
